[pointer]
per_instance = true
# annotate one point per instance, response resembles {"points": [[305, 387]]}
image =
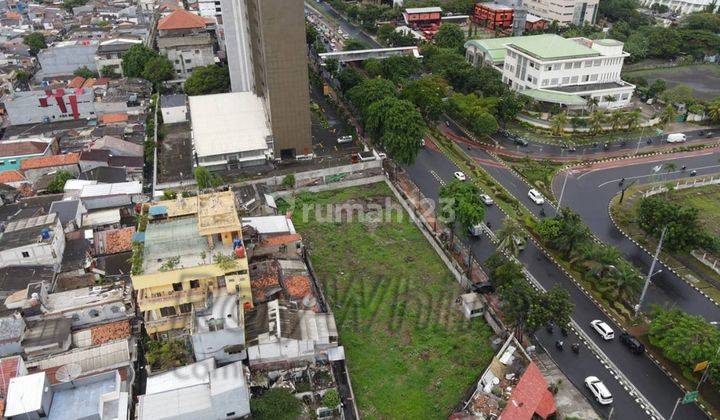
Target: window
{"points": [[577, 64], [177, 287], [625, 96], [197, 51], [230, 414], [2, 162], [188, 61], [593, 77], [568, 66], [574, 79], [597, 63], [168, 311], [185, 308], [554, 81], [13, 161], [25, 254], [565, 80], [585, 78], [532, 64], [194, 284], [221, 281], [549, 68]]}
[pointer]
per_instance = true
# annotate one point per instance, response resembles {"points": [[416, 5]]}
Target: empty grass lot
{"points": [[705, 199], [410, 352]]}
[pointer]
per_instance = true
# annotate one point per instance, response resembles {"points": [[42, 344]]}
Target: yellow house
{"points": [[192, 247]]}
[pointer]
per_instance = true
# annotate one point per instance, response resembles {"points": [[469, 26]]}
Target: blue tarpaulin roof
{"points": [[157, 210], [138, 237]]}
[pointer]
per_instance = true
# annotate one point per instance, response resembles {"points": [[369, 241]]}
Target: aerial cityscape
{"points": [[382, 209]]}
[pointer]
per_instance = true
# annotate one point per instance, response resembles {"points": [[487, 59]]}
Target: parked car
{"points": [[536, 197], [476, 230], [599, 390], [676, 138], [486, 199], [345, 139], [482, 288], [521, 141], [603, 329], [460, 176], [632, 343]]}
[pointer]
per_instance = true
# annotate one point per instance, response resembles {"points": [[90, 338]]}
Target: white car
{"points": [[459, 176], [536, 197], [345, 139], [603, 329], [599, 390], [486, 199]]}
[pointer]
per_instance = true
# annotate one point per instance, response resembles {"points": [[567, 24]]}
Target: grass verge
{"points": [[410, 352]]}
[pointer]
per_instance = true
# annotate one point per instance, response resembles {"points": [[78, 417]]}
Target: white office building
{"points": [[553, 69], [681, 6], [230, 130], [565, 12]]}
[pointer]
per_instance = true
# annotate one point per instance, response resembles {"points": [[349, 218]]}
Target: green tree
{"points": [[331, 399], [685, 339], [558, 123], [558, 304], [369, 91], [207, 80], [70, 4], [617, 119], [627, 283], [599, 260], [36, 42], [332, 65], [511, 237], [397, 126], [355, 45], [289, 181], [311, 34], [502, 271], [206, 179], [372, 67], [276, 404], [632, 119], [85, 72], [134, 60], [596, 121], [57, 185], [702, 21], [348, 78], [399, 68], [713, 110], [684, 229], [461, 204], [680, 94], [450, 36], [166, 354], [667, 115], [662, 42], [565, 232], [427, 94], [109, 71], [656, 88], [158, 69]]}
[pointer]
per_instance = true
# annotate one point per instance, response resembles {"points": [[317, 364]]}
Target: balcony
{"points": [[148, 301]]}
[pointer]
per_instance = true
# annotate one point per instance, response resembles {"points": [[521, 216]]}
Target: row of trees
{"points": [[141, 61], [602, 265], [617, 120], [523, 307]]}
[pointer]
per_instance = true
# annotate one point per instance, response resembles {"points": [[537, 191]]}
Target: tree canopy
{"points": [[461, 204], [134, 60], [158, 69], [276, 404], [369, 91], [685, 232], [85, 72], [208, 79], [450, 36], [397, 126], [57, 184], [427, 94], [206, 179], [348, 78], [35, 41]]}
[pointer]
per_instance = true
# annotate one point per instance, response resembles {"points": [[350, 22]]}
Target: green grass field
{"points": [[410, 352], [705, 199]]}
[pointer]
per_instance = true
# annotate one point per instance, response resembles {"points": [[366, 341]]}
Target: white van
{"points": [[676, 138]]}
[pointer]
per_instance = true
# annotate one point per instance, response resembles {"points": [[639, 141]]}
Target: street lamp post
{"points": [[562, 190], [651, 272], [637, 149]]}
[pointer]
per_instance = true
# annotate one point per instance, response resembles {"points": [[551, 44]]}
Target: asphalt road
{"points": [[354, 31], [589, 192], [430, 170]]}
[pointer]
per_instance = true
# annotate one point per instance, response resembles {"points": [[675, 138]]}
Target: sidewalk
{"points": [[569, 401]]}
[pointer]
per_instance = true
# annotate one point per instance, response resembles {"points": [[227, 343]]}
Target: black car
{"points": [[521, 142], [632, 343], [482, 288]]}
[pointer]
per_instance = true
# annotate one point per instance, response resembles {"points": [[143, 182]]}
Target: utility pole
{"points": [[622, 190], [562, 191], [651, 272], [675, 408]]}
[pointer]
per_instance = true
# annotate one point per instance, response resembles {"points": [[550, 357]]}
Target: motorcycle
{"points": [[576, 348], [550, 328], [559, 345]]}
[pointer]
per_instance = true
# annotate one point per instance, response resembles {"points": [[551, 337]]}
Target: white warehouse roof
{"points": [[228, 123], [118, 188]]}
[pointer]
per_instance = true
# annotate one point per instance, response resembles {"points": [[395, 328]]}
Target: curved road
{"points": [[588, 191]]}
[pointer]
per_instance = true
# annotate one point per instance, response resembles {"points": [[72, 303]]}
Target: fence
{"points": [[426, 211], [707, 259], [684, 184]]}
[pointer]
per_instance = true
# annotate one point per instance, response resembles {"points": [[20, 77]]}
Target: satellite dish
{"points": [[69, 372], [309, 301]]}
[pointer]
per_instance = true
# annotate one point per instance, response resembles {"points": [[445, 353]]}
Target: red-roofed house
{"points": [[183, 38], [35, 168], [511, 368], [76, 82], [114, 118], [531, 398], [13, 152]]}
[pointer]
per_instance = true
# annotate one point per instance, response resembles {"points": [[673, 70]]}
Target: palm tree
{"points": [[667, 115], [572, 232], [597, 119], [558, 124], [617, 118], [632, 119], [627, 283], [592, 103], [609, 98], [600, 260], [713, 110], [511, 237]]}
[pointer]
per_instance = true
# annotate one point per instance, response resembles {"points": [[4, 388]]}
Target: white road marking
{"points": [[437, 177], [656, 174]]}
